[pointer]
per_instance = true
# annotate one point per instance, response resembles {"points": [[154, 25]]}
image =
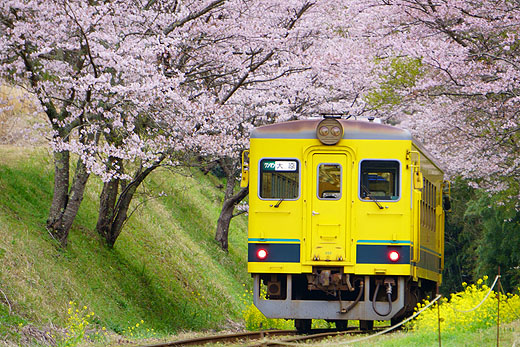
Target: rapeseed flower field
{"points": [[474, 308]]}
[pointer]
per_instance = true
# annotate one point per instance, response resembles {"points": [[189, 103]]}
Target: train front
{"points": [[333, 219]]}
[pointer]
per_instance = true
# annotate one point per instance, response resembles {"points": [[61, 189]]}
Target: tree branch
{"points": [[193, 16], [242, 80], [254, 67]]}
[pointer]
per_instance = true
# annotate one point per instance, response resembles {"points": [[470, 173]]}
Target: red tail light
{"points": [[394, 256], [261, 254]]}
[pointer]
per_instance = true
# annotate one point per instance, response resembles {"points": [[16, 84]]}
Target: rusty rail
{"points": [[237, 337], [261, 338]]}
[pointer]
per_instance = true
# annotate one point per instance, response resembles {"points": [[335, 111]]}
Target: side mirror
{"points": [[244, 181]]}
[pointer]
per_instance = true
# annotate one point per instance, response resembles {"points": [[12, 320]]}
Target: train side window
{"points": [[329, 182], [379, 179], [279, 179]]}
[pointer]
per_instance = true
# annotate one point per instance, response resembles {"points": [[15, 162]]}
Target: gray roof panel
{"points": [[353, 129]]}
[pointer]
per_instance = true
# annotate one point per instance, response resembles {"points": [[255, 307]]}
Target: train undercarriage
{"points": [[332, 295]]}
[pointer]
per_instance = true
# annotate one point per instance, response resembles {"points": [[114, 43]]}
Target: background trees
{"points": [[464, 106], [131, 86]]}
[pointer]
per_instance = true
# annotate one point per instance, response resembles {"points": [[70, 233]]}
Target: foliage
{"points": [[455, 321], [498, 247], [481, 234], [398, 74], [15, 106], [463, 234], [127, 86]]}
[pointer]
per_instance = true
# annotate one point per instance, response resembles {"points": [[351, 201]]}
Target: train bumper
{"points": [[290, 308]]}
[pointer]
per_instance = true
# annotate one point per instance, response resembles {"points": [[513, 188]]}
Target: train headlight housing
{"points": [[329, 131], [324, 131], [262, 254], [394, 256]]}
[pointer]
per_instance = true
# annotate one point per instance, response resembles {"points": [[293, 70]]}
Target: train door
{"points": [[328, 207]]}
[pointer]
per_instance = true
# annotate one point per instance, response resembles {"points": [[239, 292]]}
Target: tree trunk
{"points": [[113, 206], [121, 211], [65, 201], [60, 196], [113, 209], [107, 202], [230, 201]]}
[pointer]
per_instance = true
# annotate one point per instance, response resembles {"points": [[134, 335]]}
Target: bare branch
{"points": [[242, 80], [193, 16]]}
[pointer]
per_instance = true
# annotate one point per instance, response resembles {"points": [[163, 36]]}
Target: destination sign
{"points": [[279, 165]]}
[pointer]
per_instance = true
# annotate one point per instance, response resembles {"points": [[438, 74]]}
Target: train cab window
{"points": [[329, 182], [379, 179], [279, 179]]}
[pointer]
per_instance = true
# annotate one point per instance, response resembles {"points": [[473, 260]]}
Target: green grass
{"points": [[165, 269]]}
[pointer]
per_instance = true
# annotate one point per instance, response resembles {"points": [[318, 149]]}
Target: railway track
{"points": [[261, 338]]}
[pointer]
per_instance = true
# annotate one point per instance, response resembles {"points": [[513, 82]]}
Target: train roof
{"points": [[353, 129]]}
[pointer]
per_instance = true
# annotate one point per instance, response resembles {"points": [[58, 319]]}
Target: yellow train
{"points": [[346, 221]]}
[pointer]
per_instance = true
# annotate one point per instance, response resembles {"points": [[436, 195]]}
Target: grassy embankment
{"points": [[165, 272]]}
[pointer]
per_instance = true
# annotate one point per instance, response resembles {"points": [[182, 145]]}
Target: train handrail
{"points": [[417, 185]]}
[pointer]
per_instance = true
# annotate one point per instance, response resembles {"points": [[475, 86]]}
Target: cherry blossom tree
{"points": [[94, 68], [128, 85], [464, 105]]}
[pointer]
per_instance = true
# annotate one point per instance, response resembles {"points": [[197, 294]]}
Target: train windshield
{"points": [[279, 179], [379, 179]]}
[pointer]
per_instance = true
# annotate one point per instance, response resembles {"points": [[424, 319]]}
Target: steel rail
{"points": [[317, 336], [236, 337], [261, 338]]}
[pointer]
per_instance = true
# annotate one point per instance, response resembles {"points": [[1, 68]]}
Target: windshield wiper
{"points": [[278, 203], [367, 193]]}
